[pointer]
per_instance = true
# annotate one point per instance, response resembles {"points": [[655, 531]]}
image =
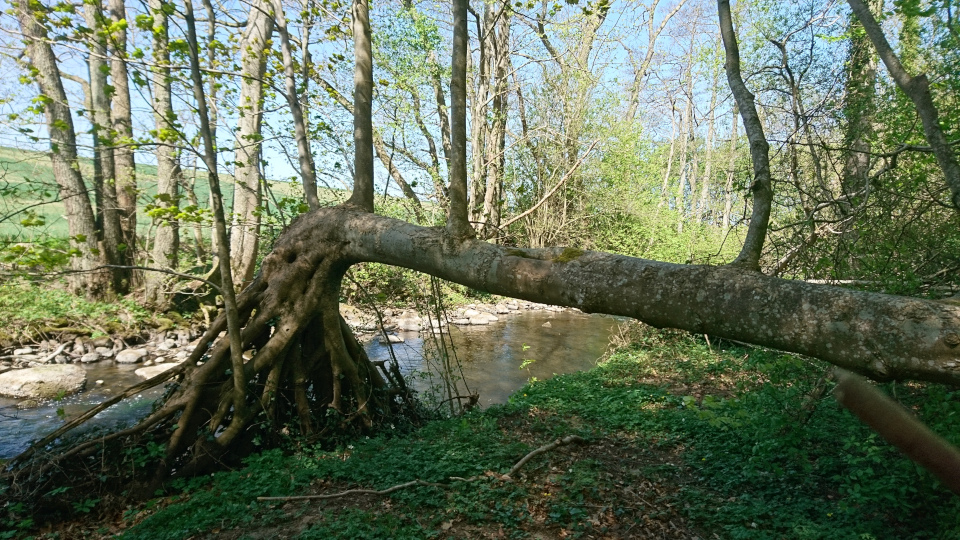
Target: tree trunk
{"points": [[248, 195], [918, 90], [289, 316], [362, 196], [166, 242], [124, 165], [708, 167], [81, 222], [761, 187], [308, 174], [731, 171], [859, 110], [104, 176], [458, 222]]}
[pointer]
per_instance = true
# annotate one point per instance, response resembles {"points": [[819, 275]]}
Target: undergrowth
{"points": [[29, 310], [685, 436]]}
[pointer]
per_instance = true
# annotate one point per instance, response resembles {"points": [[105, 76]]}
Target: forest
{"points": [[771, 189]]}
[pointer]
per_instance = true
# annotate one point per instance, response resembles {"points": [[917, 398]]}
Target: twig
{"points": [[555, 188], [569, 439]]}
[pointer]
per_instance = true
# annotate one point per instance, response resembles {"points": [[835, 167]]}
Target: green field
{"points": [[26, 182]]}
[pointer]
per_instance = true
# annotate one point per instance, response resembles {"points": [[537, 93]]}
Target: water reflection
{"points": [[491, 356]]}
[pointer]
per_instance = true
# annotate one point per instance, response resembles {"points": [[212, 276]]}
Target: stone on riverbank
{"points": [[131, 356], [43, 381], [153, 371]]}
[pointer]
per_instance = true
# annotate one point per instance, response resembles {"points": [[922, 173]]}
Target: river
{"points": [[490, 358]]}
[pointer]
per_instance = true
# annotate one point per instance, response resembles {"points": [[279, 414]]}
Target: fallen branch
{"points": [[569, 439]]}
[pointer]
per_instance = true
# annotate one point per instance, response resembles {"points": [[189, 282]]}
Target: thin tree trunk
{"points": [[496, 152], [189, 186], [220, 221], [124, 163], [859, 109], [686, 172], [166, 243], [458, 222], [731, 170], [362, 196], [761, 186], [664, 189], [308, 175], [105, 188], [708, 167], [442, 112], [381, 149], [918, 90], [479, 95], [248, 195], [63, 157]]}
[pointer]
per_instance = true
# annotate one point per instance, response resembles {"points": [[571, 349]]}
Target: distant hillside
{"points": [[26, 180]]}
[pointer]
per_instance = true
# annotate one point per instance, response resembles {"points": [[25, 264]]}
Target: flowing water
{"points": [[490, 358]]}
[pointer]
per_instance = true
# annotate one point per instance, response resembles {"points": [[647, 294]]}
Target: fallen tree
{"points": [[307, 365]]}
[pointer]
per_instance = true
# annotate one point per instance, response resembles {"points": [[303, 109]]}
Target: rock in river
{"points": [[131, 356], [152, 371], [43, 381]]}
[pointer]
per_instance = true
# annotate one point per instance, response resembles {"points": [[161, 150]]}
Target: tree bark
{"points": [[859, 109], [81, 222], [708, 167], [761, 187], [918, 90], [731, 171], [882, 336], [166, 242], [495, 155], [458, 222], [248, 193], [381, 149]]}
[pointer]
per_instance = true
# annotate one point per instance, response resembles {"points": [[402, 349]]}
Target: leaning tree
{"points": [[299, 363]]}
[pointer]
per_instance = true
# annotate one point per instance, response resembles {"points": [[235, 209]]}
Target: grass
{"points": [[30, 310], [685, 438]]}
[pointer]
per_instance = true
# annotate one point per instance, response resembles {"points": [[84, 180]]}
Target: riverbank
{"points": [[683, 438], [50, 334]]}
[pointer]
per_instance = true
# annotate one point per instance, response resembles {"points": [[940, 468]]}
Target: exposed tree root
{"points": [[304, 368]]}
